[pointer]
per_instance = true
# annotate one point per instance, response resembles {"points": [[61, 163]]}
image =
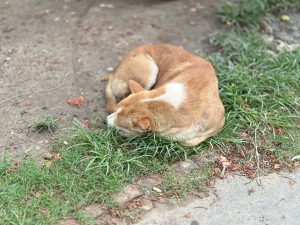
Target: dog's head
{"points": [[132, 117]]}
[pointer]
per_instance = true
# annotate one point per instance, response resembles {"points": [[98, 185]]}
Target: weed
{"points": [[48, 123], [261, 96], [251, 12]]}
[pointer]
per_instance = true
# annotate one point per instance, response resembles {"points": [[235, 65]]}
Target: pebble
{"points": [[47, 155], [94, 209], [129, 193]]}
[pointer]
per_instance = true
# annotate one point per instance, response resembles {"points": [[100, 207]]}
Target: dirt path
{"points": [[51, 51]]}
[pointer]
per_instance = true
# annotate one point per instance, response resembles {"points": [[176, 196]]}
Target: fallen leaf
{"points": [[43, 212], [244, 134], [250, 191], [225, 163], [86, 126], [216, 170], [49, 164], [246, 105], [78, 102], [278, 131], [104, 78], [188, 215], [249, 170], [10, 169], [193, 9], [234, 167], [291, 183], [56, 156], [298, 126], [78, 207]]}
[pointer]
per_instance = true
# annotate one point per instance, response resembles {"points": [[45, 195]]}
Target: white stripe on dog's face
{"points": [[174, 95], [111, 119]]}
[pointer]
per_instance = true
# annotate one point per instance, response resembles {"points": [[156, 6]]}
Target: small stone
{"points": [[94, 209], [159, 191], [109, 69], [149, 182], [129, 193], [207, 158], [187, 166], [147, 204], [110, 27], [285, 18], [65, 143], [109, 6], [47, 155], [192, 23]]}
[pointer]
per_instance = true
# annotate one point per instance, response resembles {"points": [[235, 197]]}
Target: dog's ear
{"points": [[145, 124], [135, 86]]}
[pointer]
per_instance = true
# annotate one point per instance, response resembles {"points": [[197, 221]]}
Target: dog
{"points": [[166, 90]]}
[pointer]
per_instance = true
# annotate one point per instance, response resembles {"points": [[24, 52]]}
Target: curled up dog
{"points": [[167, 90]]}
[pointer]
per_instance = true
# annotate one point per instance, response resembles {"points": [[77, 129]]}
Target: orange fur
{"points": [[183, 103]]}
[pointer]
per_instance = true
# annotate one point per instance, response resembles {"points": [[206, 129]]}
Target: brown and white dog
{"points": [[167, 90]]}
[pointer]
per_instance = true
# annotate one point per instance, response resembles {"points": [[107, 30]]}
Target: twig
{"points": [[36, 92], [288, 178]]}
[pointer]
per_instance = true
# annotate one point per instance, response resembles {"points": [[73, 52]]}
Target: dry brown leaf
{"points": [[188, 215], [193, 9], [86, 126], [246, 105], [49, 164], [291, 183], [250, 191], [298, 126], [56, 156], [104, 78], [43, 212], [244, 134], [78, 207], [78, 102], [10, 169], [278, 131]]}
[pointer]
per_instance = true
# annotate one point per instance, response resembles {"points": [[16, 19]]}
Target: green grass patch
{"points": [[251, 12], [261, 96], [48, 123], [260, 92]]}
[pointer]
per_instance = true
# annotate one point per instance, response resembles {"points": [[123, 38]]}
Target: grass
{"points": [[261, 96], [48, 123], [251, 12], [260, 92]]}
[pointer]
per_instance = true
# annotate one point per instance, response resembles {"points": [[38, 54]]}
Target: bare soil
{"points": [[54, 50]]}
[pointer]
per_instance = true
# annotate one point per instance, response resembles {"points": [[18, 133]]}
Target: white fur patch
{"points": [[153, 75], [174, 95], [112, 118]]}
